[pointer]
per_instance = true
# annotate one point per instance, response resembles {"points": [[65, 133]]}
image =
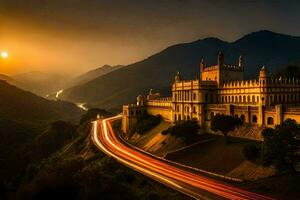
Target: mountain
{"points": [[22, 106], [41, 83], [8, 79], [92, 74], [121, 86]]}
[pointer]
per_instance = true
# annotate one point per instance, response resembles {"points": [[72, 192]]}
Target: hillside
{"points": [[41, 83], [92, 74], [23, 106], [122, 86]]}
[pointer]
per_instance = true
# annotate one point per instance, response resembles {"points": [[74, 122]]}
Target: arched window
{"points": [[243, 118], [244, 98], [270, 121], [194, 109], [194, 96], [254, 119], [187, 109], [232, 98], [240, 98], [253, 98], [248, 98], [236, 99]]}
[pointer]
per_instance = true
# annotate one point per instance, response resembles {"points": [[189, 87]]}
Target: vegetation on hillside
{"points": [[281, 145], [225, 123], [187, 130], [60, 161], [145, 123]]}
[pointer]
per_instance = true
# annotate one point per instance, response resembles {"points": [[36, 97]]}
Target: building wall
{"points": [[263, 102], [161, 107]]}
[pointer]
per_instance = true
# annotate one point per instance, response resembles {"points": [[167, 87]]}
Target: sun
{"points": [[4, 54]]}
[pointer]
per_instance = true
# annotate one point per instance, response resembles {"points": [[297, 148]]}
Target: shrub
{"points": [[145, 123], [184, 129]]}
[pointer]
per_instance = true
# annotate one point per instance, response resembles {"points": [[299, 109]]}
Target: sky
{"points": [[73, 36]]}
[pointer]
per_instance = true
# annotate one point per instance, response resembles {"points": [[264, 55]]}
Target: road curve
{"points": [[191, 184]]}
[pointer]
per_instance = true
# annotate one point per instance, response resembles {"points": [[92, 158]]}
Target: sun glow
{"points": [[4, 54]]}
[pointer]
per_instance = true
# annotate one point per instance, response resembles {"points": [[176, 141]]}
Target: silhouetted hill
{"points": [[23, 106], [122, 86], [92, 74], [41, 83]]}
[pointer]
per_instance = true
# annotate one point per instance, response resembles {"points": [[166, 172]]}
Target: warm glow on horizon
{"points": [[4, 54]]}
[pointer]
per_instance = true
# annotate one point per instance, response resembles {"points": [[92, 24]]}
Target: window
{"points": [[131, 112], [194, 109], [270, 121], [194, 96], [253, 98], [175, 117], [206, 97], [254, 119]]}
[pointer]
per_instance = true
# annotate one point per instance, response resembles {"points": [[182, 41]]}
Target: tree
{"points": [[187, 130], [225, 123], [280, 145]]}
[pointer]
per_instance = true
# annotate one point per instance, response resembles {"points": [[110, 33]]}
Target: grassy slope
{"points": [[215, 155]]}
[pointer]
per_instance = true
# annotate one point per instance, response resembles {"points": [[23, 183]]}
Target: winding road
{"points": [[176, 177]]}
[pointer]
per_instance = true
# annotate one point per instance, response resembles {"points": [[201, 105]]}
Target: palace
{"points": [[221, 89]]}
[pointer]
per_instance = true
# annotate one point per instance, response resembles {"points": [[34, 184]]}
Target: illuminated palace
{"points": [[221, 89]]}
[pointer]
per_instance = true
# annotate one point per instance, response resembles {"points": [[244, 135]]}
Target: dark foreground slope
{"points": [[23, 106], [122, 86], [63, 163]]}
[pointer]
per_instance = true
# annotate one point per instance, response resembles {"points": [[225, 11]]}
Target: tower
{"points": [[241, 62], [177, 77], [263, 81], [220, 58]]}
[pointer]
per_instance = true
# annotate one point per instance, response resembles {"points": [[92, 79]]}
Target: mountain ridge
{"points": [[157, 71]]}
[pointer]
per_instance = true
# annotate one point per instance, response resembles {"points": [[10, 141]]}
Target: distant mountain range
{"points": [[121, 86], [92, 74], [40, 83]]}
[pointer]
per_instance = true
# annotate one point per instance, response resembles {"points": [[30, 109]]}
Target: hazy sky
{"points": [[73, 36]]}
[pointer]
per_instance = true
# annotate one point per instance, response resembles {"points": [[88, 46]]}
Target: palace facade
{"points": [[221, 89]]}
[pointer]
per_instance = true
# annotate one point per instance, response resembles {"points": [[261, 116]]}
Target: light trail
{"points": [[176, 177]]}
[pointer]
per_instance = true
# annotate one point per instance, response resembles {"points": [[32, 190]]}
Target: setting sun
{"points": [[4, 54]]}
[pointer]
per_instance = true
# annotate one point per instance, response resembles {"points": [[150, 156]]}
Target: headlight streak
{"points": [[161, 170], [128, 163]]}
